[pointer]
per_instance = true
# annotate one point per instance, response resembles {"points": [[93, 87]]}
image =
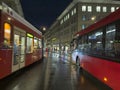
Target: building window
{"points": [[72, 13], [83, 8], [74, 10], [68, 16], [61, 22], [83, 26], [84, 17], [89, 8], [112, 9], [104, 9], [98, 8]]}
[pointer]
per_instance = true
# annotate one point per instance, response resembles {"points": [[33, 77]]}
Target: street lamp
{"points": [[43, 29]]}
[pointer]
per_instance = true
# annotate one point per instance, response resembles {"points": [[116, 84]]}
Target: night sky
{"points": [[43, 12]]}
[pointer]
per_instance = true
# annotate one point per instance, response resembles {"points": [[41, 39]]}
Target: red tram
{"points": [[96, 49], [20, 42]]}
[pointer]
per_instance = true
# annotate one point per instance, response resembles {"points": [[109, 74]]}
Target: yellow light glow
{"points": [[53, 39], [7, 32], [29, 35], [9, 18], [44, 28], [7, 26], [105, 79], [93, 18]]}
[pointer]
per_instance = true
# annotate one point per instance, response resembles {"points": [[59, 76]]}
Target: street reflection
{"points": [[68, 75], [55, 73]]}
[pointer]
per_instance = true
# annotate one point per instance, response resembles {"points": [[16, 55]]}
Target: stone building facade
{"points": [[78, 15]]}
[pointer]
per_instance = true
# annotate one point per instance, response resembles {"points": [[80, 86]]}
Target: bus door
{"points": [[18, 49]]}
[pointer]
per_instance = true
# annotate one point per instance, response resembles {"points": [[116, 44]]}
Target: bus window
{"points": [[110, 38], [83, 44], [95, 42], [117, 40]]}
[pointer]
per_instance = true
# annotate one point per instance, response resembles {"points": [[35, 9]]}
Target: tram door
{"points": [[18, 50]]}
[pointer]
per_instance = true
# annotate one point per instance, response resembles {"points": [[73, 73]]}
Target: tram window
{"points": [[29, 43], [35, 43], [110, 38], [40, 43], [7, 35]]}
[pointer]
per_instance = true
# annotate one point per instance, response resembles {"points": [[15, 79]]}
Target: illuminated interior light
{"points": [[7, 31], [110, 31], [93, 18], [7, 26], [53, 39], [111, 41], [99, 42], [29, 35], [98, 34], [9, 18], [105, 79]]}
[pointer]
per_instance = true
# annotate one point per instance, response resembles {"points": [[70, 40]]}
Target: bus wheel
{"points": [[78, 64]]}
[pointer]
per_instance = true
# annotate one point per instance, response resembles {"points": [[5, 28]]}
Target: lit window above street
{"points": [[98, 8], [83, 8], [112, 9], [89, 8], [104, 9]]}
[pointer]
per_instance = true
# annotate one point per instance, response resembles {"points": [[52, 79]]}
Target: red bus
{"points": [[20, 42], [96, 49]]}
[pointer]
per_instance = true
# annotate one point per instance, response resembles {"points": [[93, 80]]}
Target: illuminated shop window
{"points": [[7, 34]]}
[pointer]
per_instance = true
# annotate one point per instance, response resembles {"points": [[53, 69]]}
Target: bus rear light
{"points": [[105, 79]]}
